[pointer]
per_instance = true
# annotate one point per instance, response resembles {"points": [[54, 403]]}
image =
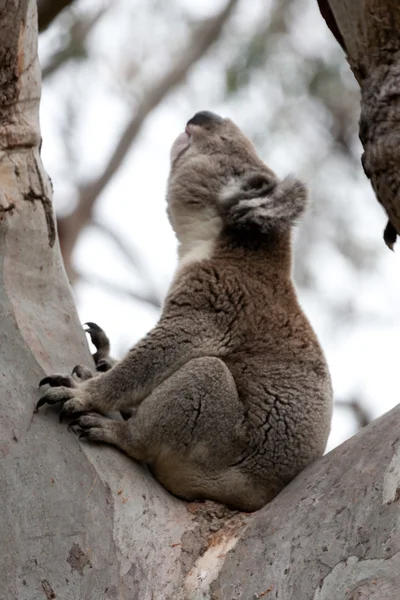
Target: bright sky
{"points": [[363, 360]]}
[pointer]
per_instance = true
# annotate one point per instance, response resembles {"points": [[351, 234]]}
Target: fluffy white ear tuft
{"points": [[263, 203]]}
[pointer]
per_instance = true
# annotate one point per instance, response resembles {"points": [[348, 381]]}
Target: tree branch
{"points": [[130, 255], [48, 10], [204, 36], [360, 413], [369, 33], [114, 288], [75, 48]]}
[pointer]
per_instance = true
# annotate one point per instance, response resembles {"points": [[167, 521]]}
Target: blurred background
{"points": [[120, 80]]}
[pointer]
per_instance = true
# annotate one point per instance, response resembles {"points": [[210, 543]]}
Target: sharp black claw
{"points": [[103, 366], [56, 381], [82, 372], [93, 326], [40, 403]]}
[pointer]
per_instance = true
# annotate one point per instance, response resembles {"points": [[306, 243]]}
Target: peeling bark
{"points": [[81, 522], [369, 31]]}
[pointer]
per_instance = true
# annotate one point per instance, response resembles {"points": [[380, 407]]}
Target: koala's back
{"points": [[245, 307]]}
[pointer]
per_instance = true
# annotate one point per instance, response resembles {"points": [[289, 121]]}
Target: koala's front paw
{"points": [[74, 398]]}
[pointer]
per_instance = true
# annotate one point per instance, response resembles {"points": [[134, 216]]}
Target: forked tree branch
{"points": [[202, 39]]}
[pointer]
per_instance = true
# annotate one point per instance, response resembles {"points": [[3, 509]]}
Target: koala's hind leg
{"points": [[197, 439], [192, 432], [197, 405]]}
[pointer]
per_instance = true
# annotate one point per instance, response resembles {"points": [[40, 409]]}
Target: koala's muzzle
{"points": [[205, 117]]}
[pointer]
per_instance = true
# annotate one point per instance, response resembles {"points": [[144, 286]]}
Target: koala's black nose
{"points": [[204, 117]]}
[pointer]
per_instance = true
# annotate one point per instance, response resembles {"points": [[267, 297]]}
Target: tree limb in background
{"points": [[75, 48], [71, 226], [48, 10], [133, 259], [115, 288], [369, 31], [359, 411]]}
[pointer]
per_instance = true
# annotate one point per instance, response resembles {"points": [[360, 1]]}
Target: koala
{"points": [[231, 390]]}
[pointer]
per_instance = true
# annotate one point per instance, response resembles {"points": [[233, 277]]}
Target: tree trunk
{"points": [[84, 522], [368, 31]]}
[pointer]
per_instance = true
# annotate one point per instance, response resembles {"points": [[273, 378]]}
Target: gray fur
{"points": [[232, 390], [275, 206]]}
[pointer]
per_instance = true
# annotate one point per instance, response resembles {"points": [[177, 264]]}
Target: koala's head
{"points": [[217, 180]]}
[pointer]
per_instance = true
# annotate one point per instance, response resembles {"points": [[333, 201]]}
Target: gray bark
{"points": [[84, 522], [332, 534]]}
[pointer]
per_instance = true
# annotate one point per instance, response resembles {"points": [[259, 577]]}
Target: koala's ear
{"points": [[264, 203]]}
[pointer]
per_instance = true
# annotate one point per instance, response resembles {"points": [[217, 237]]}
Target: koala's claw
{"points": [[83, 373], [97, 335], [54, 396], [104, 365], [73, 407], [101, 342], [57, 380], [96, 328], [81, 423]]}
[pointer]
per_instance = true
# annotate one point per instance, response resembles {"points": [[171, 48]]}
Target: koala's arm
{"points": [[159, 354], [172, 343]]}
